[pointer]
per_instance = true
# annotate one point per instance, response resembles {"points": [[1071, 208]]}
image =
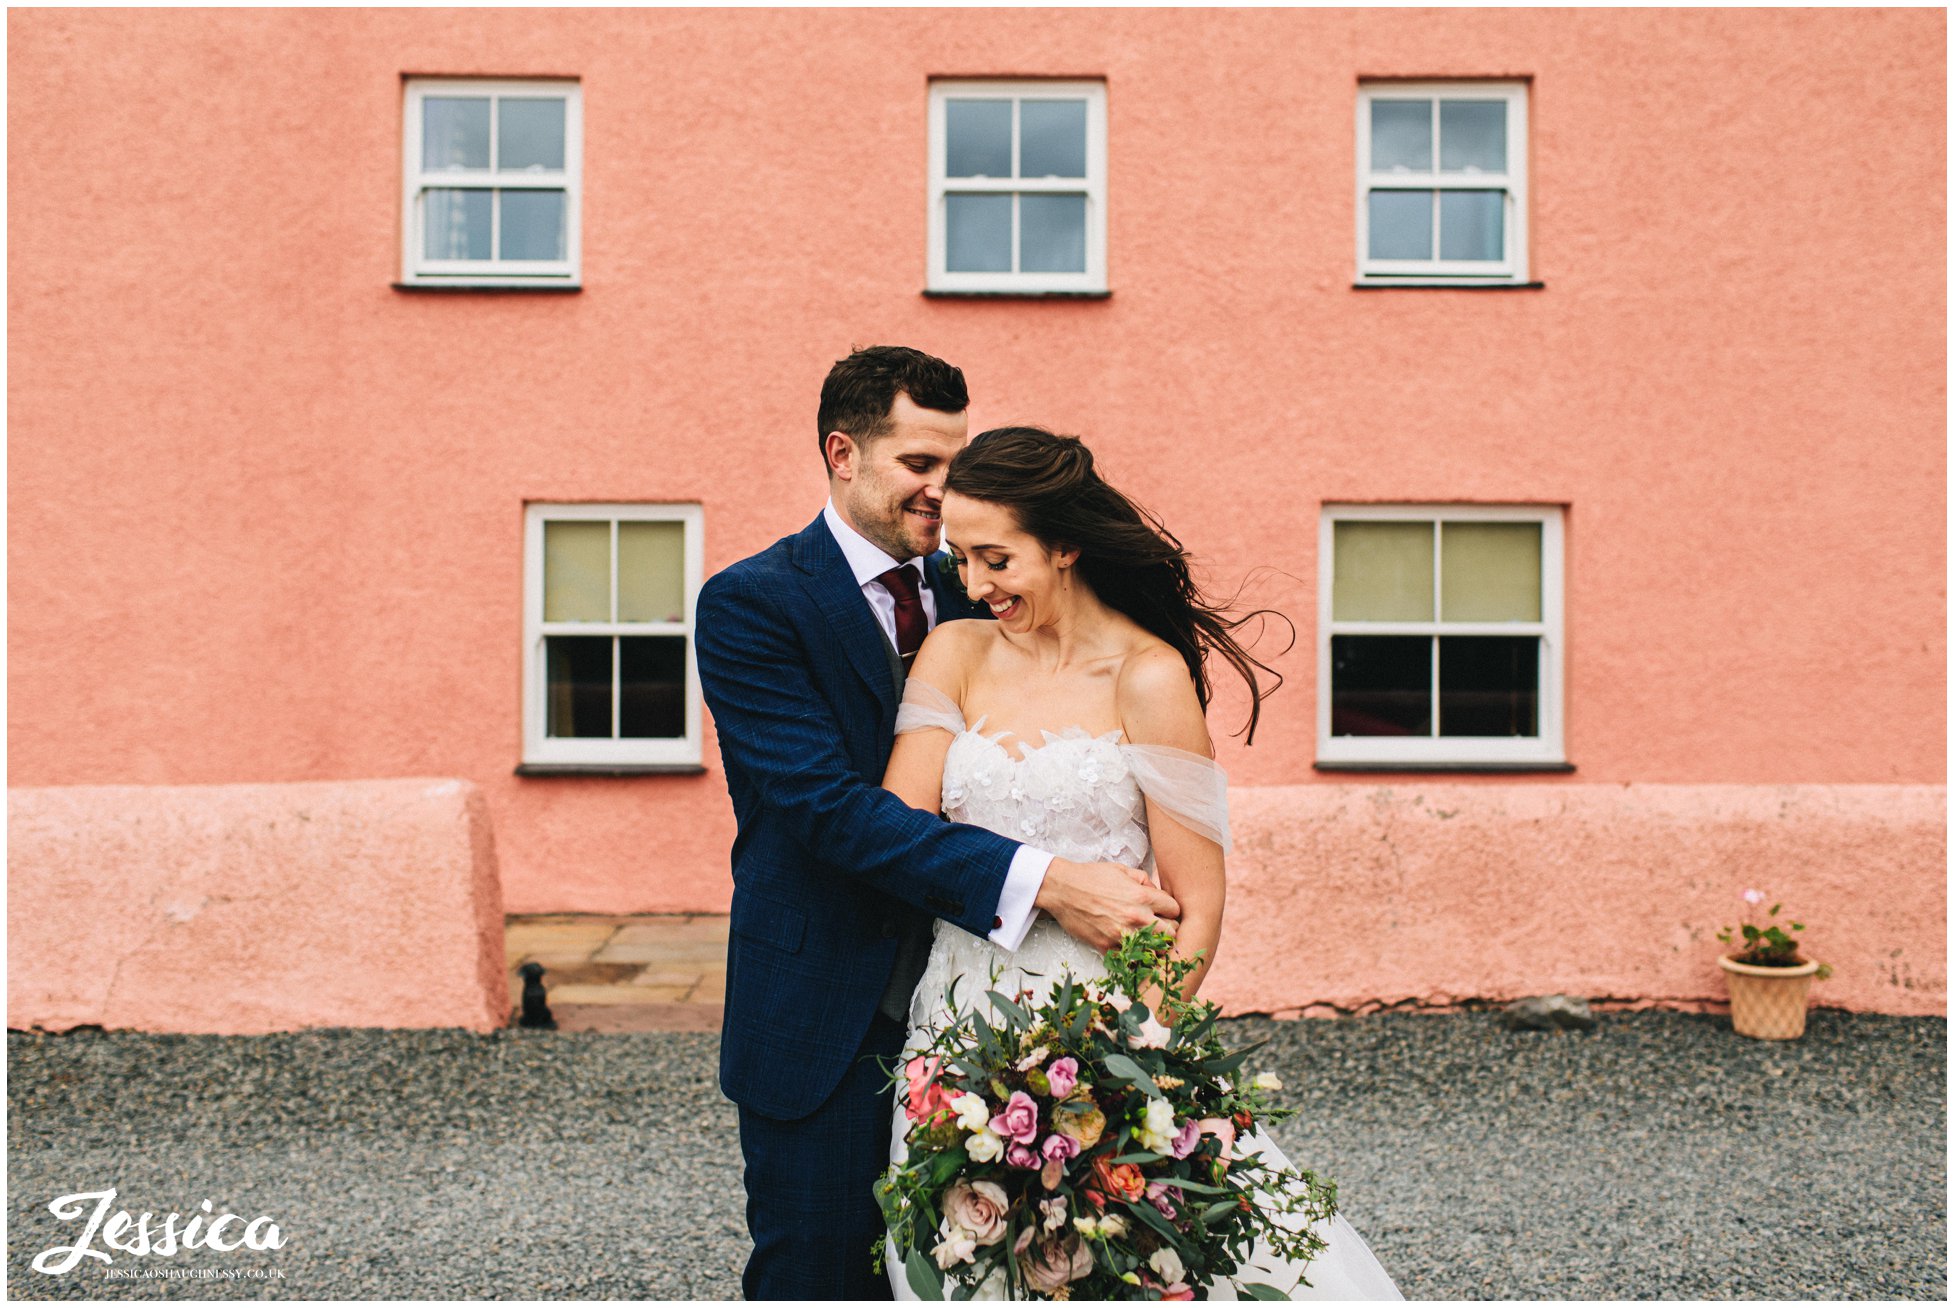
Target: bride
{"points": [[1076, 722]]}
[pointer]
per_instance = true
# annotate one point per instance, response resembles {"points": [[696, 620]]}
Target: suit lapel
{"points": [[830, 584]]}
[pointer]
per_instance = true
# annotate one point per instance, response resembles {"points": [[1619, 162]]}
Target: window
{"points": [[608, 671], [1439, 636], [493, 182], [1442, 183], [1017, 187]]}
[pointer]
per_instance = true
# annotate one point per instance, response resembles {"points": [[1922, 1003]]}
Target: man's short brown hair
{"points": [[862, 388]]}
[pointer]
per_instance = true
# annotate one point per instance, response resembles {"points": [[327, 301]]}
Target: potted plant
{"points": [[1769, 980]]}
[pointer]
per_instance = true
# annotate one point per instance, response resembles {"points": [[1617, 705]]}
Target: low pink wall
{"points": [[1354, 897], [253, 908]]}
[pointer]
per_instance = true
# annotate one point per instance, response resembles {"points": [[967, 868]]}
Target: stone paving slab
{"points": [[670, 966]]}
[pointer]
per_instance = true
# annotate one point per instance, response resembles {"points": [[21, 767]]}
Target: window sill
{"points": [[1436, 284], [610, 770], [932, 294], [1322, 766], [520, 288]]}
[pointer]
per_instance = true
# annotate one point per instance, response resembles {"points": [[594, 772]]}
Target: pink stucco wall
{"points": [[242, 909], [266, 511], [1355, 897]]}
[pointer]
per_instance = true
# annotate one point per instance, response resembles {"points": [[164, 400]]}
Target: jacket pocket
{"points": [[770, 922]]}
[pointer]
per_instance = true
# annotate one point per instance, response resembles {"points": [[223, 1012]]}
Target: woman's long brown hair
{"points": [[1129, 559]]}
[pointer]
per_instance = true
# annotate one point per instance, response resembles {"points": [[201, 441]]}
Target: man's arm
{"points": [[782, 735]]}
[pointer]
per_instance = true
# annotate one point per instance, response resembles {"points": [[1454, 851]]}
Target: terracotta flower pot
{"points": [[1768, 1003]]}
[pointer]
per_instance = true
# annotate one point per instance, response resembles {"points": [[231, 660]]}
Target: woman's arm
{"points": [[1158, 705], [915, 771]]}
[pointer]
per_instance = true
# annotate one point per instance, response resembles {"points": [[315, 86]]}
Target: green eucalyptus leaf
{"points": [[924, 1279]]}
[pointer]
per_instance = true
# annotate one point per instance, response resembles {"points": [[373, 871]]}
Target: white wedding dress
{"points": [[1081, 797]]}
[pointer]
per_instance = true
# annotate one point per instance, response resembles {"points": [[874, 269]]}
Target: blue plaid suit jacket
{"points": [[827, 865]]}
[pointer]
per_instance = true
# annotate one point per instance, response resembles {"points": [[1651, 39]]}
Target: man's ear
{"points": [[841, 453]]}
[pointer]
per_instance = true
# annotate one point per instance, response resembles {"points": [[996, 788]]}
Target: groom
{"points": [[802, 650]]}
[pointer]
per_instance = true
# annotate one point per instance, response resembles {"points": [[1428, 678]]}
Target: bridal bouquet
{"points": [[1081, 1148]]}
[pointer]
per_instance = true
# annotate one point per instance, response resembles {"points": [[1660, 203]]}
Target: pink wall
{"points": [[266, 511]]}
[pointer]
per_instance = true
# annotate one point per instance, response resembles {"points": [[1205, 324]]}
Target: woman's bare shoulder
{"points": [[1157, 699], [952, 648]]}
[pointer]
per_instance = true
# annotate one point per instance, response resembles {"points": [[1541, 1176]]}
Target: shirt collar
{"points": [[865, 560]]}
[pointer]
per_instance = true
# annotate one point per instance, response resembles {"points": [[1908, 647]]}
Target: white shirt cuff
{"points": [[1018, 905]]}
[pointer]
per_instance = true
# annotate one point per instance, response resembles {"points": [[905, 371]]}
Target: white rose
{"points": [[987, 1146], [1267, 1081], [972, 1112], [956, 1246], [1156, 1131], [1168, 1263]]}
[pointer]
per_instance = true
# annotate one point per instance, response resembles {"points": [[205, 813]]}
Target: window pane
{"points": [[977, 138], [1401, 136], [1054, 234], [1383, 572], [1488, 685], [457, 224], [651, 686], [650, 573], [1472, 135], [1472, 224], [577, 572], [1380, 685], [532, 225], [1491, 572], [530, 135], [454, 132], [1052, 138], [1401, 224], [579, 690], [977, 233]]}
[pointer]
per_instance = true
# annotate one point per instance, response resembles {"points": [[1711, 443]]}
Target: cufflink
{"points": [[997, 924]]}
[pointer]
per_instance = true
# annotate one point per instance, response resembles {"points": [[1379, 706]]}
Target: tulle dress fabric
{"points": [[1083, 797]]}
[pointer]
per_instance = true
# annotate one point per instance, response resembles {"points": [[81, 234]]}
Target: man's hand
{"points": [[1097, 903]]}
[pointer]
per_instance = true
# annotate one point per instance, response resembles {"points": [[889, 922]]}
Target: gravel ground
{"points": [[1658, 1156]]}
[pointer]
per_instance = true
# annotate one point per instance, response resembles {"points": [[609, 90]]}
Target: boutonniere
{"points": [[946, 571]]}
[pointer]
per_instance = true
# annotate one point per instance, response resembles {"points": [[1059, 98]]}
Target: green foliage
{"points": [[1767, 945]]}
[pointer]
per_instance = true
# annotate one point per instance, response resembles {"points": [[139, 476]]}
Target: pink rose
{"points": [[979, 1207], [1183, 1144], [1223, 1130], [1063, 1075], [1052, 1262], [1058, 1148], [1018, 1119], [1162, 1195], [926, 1098], [1021, 1156]]}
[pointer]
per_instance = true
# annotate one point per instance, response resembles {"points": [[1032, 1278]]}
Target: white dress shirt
{"points": [[1019, 903]]}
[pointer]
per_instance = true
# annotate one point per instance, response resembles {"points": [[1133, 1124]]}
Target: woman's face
{"points": [[1002, 565]]}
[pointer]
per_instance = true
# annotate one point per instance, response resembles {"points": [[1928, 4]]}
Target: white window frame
{"points": [[1093, 279], [540, 748], [417, 270], [1436, 751], [1443, 272]]}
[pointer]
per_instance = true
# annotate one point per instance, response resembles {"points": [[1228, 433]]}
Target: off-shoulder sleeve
{"points": [[1192, 788], [926, 708]]}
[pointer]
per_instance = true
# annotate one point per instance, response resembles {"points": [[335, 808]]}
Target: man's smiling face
{"points": [[891, 490]]}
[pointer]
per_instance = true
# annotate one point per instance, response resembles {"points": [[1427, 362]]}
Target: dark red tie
{"points": [[912, 624]]}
